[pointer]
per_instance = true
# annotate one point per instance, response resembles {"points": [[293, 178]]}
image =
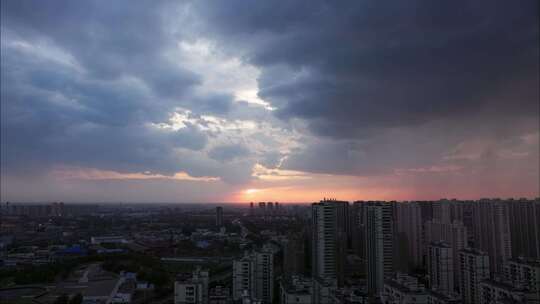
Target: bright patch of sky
{"points": [[220, 73]]}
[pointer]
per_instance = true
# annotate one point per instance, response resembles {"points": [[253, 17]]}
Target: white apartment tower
{"points": [[254, 275]]}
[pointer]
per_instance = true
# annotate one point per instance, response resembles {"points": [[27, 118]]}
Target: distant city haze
{"points": [[248, 101]]}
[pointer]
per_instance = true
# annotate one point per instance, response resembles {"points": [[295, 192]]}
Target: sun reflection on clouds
{"points": [[79, 173], [252, 97], [251, 191]]}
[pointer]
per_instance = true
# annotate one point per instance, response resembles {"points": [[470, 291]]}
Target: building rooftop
{"points": [[440, 244], [525, 261], [473, 251], [297, 285], [403, 288], [443, 296]]}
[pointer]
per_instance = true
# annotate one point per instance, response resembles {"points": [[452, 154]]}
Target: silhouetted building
{"points": [[525, 228], [330, 227], [219, 216], [379, 245], [358, 229], [492, 232], [409, 235], [294, 255], [262, 208]]}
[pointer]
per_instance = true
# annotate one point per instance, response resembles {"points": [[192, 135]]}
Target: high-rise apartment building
{"points": [[294, 256], [357, 229], [253, 275], [447, 211], [441, 267], [409, 235], [270, 208], [442, 211], [474, 268], [329, 242], [219, 216], [262, 208], [492, 232], [454, 234], [525, 228], [242, 277], [264, 277], [379, 245]]}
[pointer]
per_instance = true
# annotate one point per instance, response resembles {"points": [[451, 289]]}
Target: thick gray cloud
{"points": [[355, 72], [229, 152], [359, 87], [371, 64], [83, 84]]}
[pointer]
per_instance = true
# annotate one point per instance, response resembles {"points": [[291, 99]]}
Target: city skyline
{"points": [[199, 101], [329, 252]]}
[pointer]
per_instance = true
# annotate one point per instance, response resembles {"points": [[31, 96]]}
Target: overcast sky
{"points": [[221, 101]]}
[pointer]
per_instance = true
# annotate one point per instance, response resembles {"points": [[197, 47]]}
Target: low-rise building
{"points": [[97, 240], [437, 297], [404, 289], [496, 291], [219, 295], [124, 293], [524, 273], [296, 289], [191, 288], [349, 295]]}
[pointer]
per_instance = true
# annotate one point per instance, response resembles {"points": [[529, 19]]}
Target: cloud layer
{"points": [[417, 91]]}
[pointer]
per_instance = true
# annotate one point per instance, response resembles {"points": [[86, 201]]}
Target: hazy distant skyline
{"points": [[238, 101]]}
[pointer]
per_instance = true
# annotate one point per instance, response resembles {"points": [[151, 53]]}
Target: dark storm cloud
{"points": [[368, 64], [370, 78], [108, 38], [359, 87]]}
